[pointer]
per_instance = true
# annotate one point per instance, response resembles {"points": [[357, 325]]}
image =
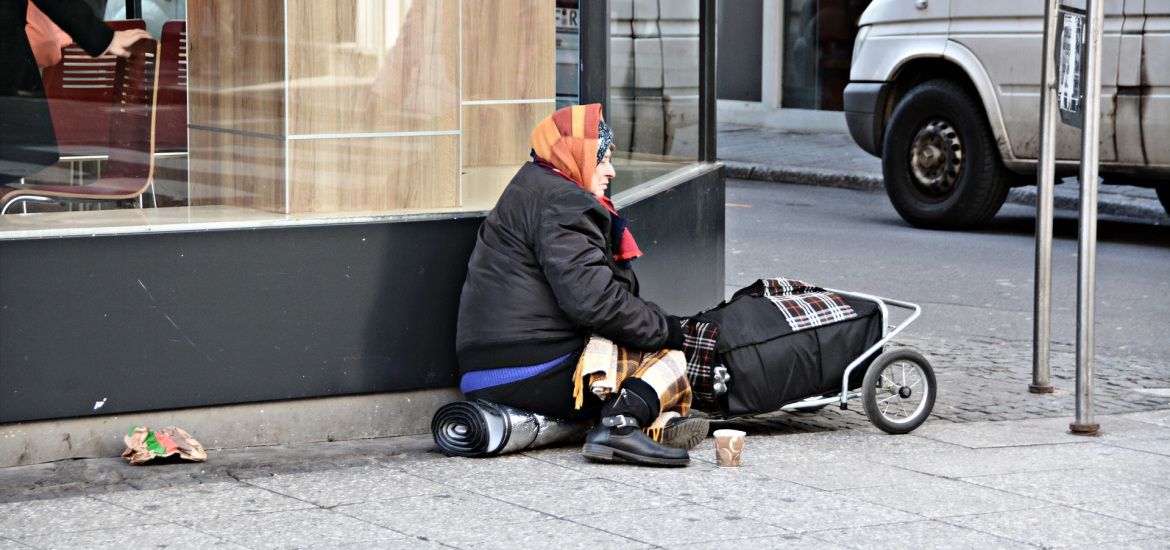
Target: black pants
{"points": [[549, 393]]}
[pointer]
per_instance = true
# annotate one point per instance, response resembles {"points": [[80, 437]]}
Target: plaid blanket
{"points": [[804, 306], [699, 348], [604, 365]]}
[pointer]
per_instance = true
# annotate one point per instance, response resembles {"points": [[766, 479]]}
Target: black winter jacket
{"points": [[542, 278]]}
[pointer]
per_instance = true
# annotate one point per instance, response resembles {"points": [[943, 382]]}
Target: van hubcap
{"points": [[936, 158]]}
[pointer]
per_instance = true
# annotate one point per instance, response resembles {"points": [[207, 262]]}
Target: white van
{"points": [[947, 93]]}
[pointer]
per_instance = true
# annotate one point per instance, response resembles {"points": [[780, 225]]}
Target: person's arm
{"points": [[92, 34], [571, 251]]}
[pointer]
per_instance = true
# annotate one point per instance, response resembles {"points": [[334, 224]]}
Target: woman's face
{"points": [[602, 175]]}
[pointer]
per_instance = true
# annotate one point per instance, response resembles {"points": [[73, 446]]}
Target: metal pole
{"points": [[1087, 236], [1045, 181]]}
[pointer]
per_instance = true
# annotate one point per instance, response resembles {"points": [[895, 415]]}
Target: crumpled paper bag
{"points": [[144, 445]]}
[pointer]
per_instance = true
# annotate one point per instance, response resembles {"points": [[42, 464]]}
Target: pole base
{"points": [[1038, 388], [1084, 429]]}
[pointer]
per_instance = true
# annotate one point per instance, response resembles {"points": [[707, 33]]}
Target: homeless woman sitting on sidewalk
{"points": [[550, 306]]}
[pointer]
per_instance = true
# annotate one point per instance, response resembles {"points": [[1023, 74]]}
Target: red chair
{"points": [[80, 90], [130, 169], [171, 136]]}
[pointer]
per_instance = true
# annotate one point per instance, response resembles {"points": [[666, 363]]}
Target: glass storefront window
{"points": [[335, 109], [818, 46], [654, 88]]}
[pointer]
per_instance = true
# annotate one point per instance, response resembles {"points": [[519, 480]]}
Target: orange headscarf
{"points": [[568, 140]]}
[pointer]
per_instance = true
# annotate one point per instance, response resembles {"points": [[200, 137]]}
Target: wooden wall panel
{"points": [[342, 80], [509, 49], [495, 135], [235, 170], [374, 174], [236, 64]]}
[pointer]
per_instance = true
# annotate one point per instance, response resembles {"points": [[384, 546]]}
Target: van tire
{"points": [[939, 159]]}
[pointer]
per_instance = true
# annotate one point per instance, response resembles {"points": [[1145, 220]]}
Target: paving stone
{"points": [[438, 515], [197, 502], [1155, 445], [552, 533], [1057, 526], [678, 525], [299, 529], [348, 485], [774, 542], [475, 473], [604, 495], [66, 515], [1080, 486], [1032, 458], [935, 498], [163, 535], [831, 475], [9, 544], [1151, 512], [920, 535], [780, 503], [1004, 434]]}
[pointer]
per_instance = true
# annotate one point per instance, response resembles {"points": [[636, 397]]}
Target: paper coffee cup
{"points": [[729, 447]]}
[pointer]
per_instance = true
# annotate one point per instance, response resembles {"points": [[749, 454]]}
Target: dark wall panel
{"points": [[681, 232], [188, 319]]}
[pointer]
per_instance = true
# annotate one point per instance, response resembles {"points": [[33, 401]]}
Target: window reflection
{"points": [[654, 95]]}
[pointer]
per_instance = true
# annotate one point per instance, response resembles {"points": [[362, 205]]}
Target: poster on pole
{"points": [[1070, 65]]}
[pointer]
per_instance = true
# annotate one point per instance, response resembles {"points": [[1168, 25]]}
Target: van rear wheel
{"points": [[939, 159]]}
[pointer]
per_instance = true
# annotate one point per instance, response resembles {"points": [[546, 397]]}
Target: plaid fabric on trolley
{"points": [[804, 306], [699, 348]]}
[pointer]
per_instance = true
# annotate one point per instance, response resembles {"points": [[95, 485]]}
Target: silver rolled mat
{"points": [[480, 428]]}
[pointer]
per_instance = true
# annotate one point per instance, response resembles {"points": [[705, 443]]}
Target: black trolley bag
{"points": [[771, 364]]}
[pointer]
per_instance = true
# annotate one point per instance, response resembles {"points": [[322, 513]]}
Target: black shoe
{"points": [[618, 438], [686, 432]]}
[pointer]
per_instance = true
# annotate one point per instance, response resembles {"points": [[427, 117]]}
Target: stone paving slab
{"points": [[919, 534], [1056, 527], [778, 542], [1078, 486], [604, 496], [314, 528], [553, 533], [1025, 459], [679, 525], [939, 498], [441, 515], [66, 515], [207, 501], [131, 537], [338, 487]]}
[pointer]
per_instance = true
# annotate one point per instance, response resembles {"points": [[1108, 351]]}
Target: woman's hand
{"points": [[122, 41]]}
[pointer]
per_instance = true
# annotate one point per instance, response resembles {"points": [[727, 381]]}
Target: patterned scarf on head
{"points": [[569, 143]]}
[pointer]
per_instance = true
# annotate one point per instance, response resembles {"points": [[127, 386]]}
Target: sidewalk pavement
{"points": [[834, 160], [1013, 484]]}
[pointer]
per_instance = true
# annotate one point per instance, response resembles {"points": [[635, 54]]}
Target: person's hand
{"points": [[122, 41]]}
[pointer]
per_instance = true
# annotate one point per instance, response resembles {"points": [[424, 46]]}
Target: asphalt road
{"points": [[970, 284]]}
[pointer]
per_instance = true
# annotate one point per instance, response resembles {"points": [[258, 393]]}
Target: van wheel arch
{"points": [[915, 72]]}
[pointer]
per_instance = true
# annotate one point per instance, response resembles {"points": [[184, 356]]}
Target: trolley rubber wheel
{"points": [[899, 391]]}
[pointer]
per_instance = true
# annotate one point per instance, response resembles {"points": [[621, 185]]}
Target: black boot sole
{"points": [[686, 433], [603, 453]]}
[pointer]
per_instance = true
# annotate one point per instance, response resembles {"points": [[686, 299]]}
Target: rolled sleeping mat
{"points": [[480, 428]]}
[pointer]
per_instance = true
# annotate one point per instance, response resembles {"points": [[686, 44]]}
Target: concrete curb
{"points": [[1067, 198]]}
